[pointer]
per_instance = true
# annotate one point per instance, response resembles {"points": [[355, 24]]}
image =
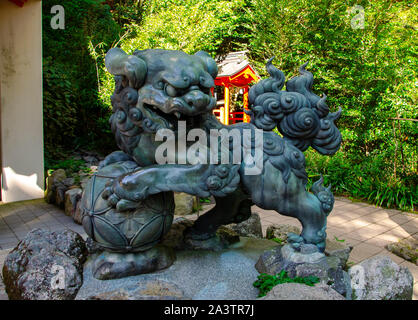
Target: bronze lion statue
{"points": [[163, 95]]}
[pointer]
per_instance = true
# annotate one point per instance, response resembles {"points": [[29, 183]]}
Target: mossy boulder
{"points": [[379, 278]]}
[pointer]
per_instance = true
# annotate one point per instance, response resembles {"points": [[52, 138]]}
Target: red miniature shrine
{"points": [[234, 71]]}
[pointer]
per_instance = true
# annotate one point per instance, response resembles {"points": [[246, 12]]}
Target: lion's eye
{"points": [[160, 85], [170, 90], [135, 114], [121, 116]]}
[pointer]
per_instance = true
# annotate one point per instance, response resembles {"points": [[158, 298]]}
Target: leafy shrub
{"points": [[278, 240], [370, 73], [266, 282], [214, 26], [73, 114], [369, 179], [60, 108], [70, 165]]}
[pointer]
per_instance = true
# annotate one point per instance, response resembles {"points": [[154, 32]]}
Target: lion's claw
{"points": [[113, 200], [107, 193], [124, 205], [118, 197]]}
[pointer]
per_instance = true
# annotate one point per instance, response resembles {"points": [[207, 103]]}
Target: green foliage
{"points": [[266, 282], [371, 73], [127, 12], [368, 179], [204, 200], [60, 108], [73, 114], [278, 240], [70, 165], [339, 240], [215, 26]]}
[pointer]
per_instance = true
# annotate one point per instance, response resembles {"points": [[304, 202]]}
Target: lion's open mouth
{"points": [[170, 120]]}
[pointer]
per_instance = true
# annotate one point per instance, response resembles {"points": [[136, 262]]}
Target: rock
{"points": [[280, 231], [57, 175], [60, 196], [72, 197], [338, 249], [406, 249], [93, 247], [184, 203], [120, 294], [379, 278], [333, 247], [222, 240], [306, 262], [298, 291], [90, 159], [249, 228], [286, 258], [227, 235], [68, 182], [52, 181], [174, 237], [110, 265], [271, 261], [45, 266], [82, 151], [305, 250], [61, 188], [144, 290], [340, 281], [204, 274], [78, 214], [76, 156], [304, 270]]}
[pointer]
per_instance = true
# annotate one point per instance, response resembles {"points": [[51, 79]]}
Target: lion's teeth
{"points": [[177, 114]]}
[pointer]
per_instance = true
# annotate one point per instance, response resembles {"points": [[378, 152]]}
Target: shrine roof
{"points": [[235, 69], [232, 63]]}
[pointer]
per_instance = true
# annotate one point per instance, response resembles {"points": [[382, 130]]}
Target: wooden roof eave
{"points": [[229, 80]]}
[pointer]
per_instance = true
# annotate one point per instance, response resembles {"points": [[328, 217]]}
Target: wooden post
{"points": [[226, 111], [222, 115], [245, 105]]}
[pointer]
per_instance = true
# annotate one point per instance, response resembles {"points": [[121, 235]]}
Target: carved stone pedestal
{"points": [[306, 262], [108, 265]]}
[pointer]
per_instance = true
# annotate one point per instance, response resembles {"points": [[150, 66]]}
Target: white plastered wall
{"points": [[21, 101]]}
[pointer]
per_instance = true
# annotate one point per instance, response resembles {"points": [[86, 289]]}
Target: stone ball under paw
{"points": [[134, 230]]}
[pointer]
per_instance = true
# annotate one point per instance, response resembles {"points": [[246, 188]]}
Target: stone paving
{"points": [[367, 228]]}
